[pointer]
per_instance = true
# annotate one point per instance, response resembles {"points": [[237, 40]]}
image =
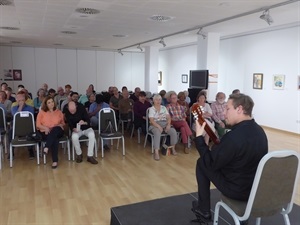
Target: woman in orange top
{"points": [[50, 122]]}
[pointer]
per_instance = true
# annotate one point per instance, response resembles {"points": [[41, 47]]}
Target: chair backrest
{"points": [[23, 124], [274, 184], [2, 119], [107, 120]]}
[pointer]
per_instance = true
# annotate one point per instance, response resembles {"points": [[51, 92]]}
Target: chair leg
{"points": [[216, 215], [96, 149], [286, 219], [145, 140], [118, 143], [73, 152], [5, 143], [257, 221], [69, 153], [10, 155], [102, 148], [123, 146], [1, 155], [139, 135], [37, 153]]}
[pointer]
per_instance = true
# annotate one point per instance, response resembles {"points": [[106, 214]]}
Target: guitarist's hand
{"points": [[199, 128]]}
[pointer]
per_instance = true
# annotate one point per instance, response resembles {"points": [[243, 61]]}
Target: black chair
{"points": [[108, 129], [23, 126]]}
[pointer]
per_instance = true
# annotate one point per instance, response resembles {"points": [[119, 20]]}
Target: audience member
{"points": [[236, 91], [79, 123], [125, 106], [92, 98], [22, 106], [181, 101], [160, 121], [84, 98], [5, 103], [139, 108], [61, 96], [45, 87], [178, 120], [28, 100], [114, 101], [51, 92], [206, 113], [41, 94], [50, 122], [8, 92], [135, 95], [230, 165], [4, 86], [187, 98], [164, 101], [68, 89], [95, 108], [107, 95], [218, 113]]}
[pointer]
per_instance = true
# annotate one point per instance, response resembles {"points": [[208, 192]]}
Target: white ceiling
{"points": [[40, 22]]}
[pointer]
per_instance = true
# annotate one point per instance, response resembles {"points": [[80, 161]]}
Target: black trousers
{"points": [[204, 177], [52, 141]]}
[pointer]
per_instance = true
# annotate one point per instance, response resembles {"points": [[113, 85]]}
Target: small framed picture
{"points": [[257, 81], [278, 82], [159, 78], [298, 82], [184, 78]]}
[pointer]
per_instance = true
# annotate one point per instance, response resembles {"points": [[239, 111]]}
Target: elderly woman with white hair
{"points": [[160, 121]]}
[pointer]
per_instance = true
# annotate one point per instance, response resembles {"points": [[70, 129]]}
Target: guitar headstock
{"points": [[197, 111]]}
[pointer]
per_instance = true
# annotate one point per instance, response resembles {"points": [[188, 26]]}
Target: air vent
{"points": [[16, 42], [88, 11], [160, 18], [5, 2], [68, 32], [10, 28], [120, 35]]}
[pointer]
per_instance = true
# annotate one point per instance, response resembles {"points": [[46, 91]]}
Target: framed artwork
{"points": [[17, 74], [159, 78], [298, 83], [257, 81], [8, 74], [184, 78], [278, 82]]}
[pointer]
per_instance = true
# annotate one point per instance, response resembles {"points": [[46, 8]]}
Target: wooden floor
{"points": [[84, 193]]}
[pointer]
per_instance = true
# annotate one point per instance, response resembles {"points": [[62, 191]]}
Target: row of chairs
{"points": [[24, 125]]}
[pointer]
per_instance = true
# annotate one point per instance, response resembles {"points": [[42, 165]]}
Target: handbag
{"points": [[34, 136]]}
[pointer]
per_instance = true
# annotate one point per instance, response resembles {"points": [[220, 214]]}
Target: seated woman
{"points": [[206, 113], [39, 99], [178, 120], [50, 122], [181, 100], [140, 108], [160, 121]]}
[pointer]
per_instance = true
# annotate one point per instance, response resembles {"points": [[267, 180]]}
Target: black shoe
{"points": [[204, 215], [79, 158], [31, 154], [92, 160], [245, 222], [106, 147]]}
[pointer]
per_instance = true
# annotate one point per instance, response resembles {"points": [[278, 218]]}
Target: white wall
{"points": [[175, 62], [274, 52], [79, 68]]}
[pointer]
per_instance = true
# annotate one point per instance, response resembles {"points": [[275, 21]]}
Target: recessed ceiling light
{"points": [[160, 18], [120, 35], [5, 2], [68, 32], [10, 28], [88, 11]]}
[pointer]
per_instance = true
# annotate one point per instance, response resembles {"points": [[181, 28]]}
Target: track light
{"points": [[266, 17], [162, 42], [139, 47], [200, 32], [120, 51]]}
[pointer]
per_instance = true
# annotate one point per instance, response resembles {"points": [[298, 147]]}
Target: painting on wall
{"points": [[17, 74], [7, 74], [278, 82], [159, 78], [257, 81], [298, 83], [184, 78]]}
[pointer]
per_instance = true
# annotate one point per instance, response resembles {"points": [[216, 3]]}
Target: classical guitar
{"points": [[197, 113]]}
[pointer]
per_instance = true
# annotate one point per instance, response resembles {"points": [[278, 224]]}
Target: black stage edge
{"points": [[176, 210]]}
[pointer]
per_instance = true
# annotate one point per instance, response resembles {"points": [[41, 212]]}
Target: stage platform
{"points": [[176, 210]]}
